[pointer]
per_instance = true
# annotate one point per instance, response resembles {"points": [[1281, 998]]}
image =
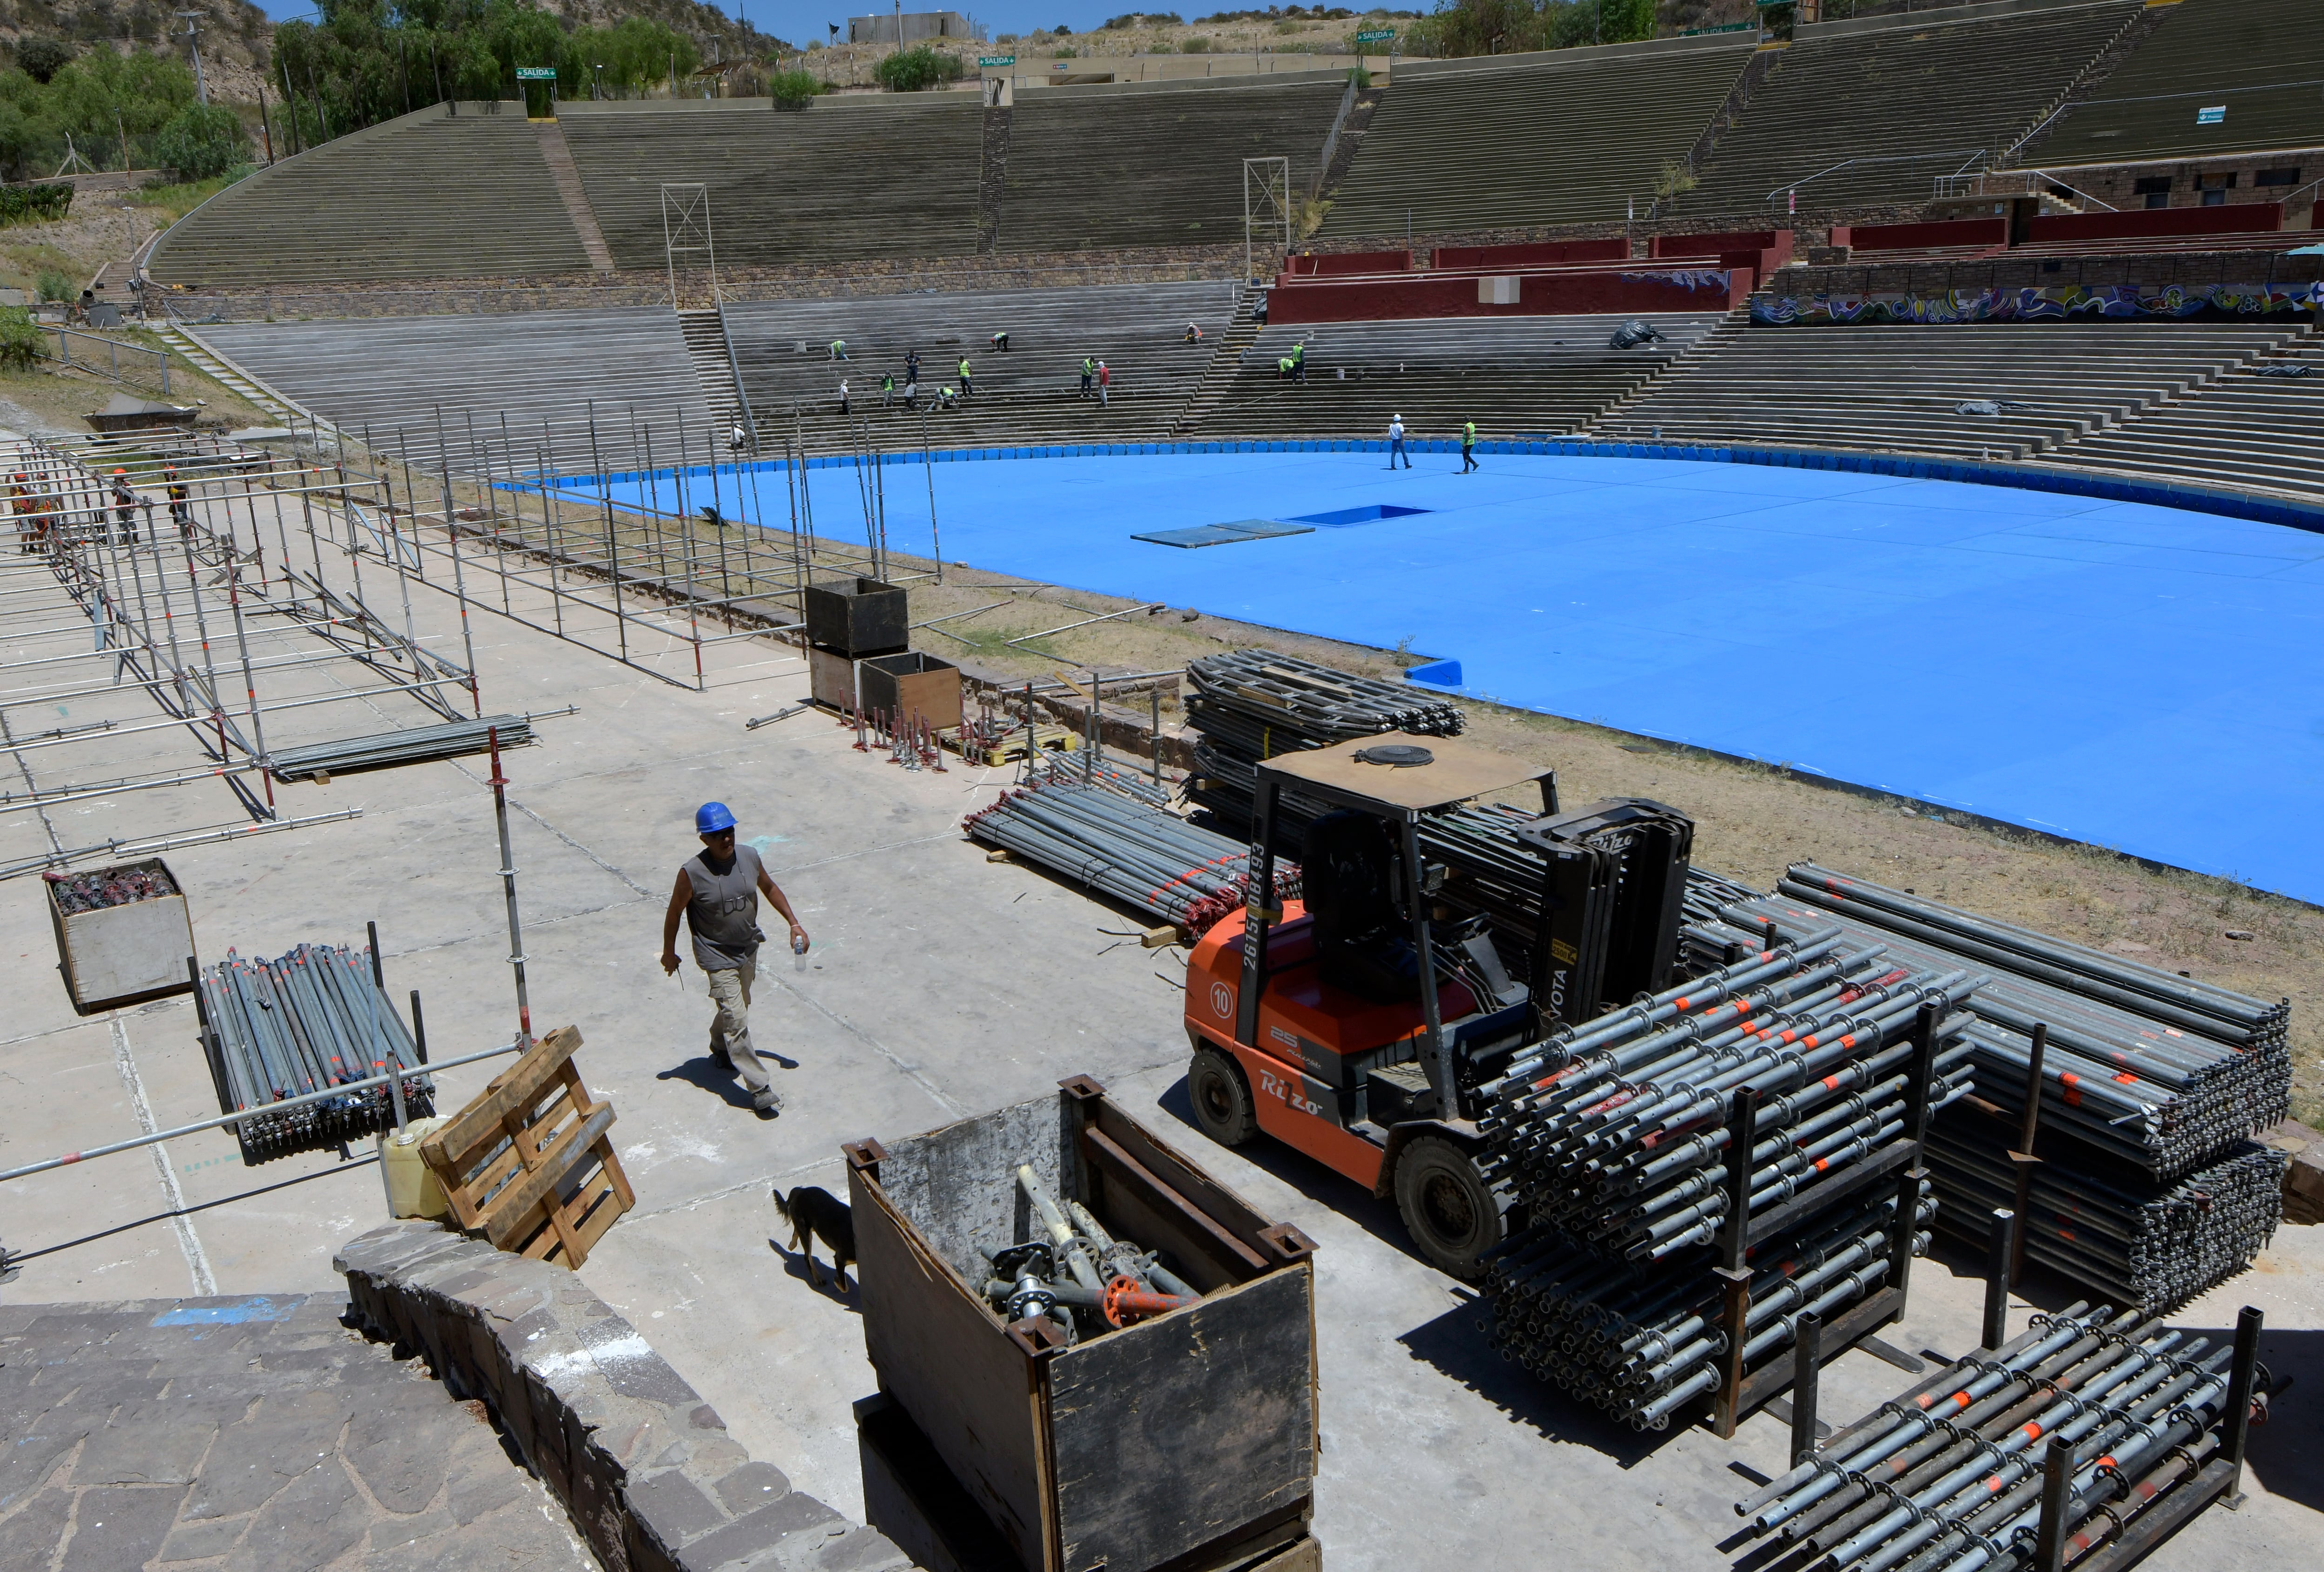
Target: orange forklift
{"points": [[1362, 1023]]}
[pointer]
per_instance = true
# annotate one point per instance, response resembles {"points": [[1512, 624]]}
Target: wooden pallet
{"points": [[1011, 748], [528, 1165]]}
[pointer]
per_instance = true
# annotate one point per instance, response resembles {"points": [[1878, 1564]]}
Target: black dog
{"points": [[817, 1214]]}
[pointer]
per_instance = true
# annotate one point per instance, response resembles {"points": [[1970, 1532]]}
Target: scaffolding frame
{"points": [[629, 577], [166, 566], [1264, 209], [685, 232]]}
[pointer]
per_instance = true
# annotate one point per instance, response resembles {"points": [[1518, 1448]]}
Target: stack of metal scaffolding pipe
{"points": [[1133, 850], [303, 1022], [1253, 704], [1616, 1132], [412, 745], [1319, 704], [2161, 1070], [1951, 1480], [2152, 1243], [2147, 1189], [1643, 1343]]}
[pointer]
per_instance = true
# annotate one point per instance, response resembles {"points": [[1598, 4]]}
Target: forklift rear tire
{"points": [[1448, 1208], [1222, 1097]]}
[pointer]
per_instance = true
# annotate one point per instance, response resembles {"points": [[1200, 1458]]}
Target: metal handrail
{"points": [[1902, 157], [64, 353], [263, 1110]]}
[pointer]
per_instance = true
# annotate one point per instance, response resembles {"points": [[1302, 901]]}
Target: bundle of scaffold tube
{"points": [[1951, 1480]]}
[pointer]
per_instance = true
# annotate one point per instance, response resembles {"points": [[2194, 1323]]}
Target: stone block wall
{"points": [[643, 1466]]}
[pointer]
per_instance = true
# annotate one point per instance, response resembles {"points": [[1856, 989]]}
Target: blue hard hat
{"points": [[712, 817]]}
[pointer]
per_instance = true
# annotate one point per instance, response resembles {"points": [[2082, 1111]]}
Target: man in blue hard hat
{"points": [[718, 893]]}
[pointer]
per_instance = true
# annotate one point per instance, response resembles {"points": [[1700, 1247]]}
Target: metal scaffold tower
{"points": [[1265, 213], [685, 235]]}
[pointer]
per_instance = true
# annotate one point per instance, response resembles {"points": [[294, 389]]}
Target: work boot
{"points": [[769, 1102], [722, 1059]]}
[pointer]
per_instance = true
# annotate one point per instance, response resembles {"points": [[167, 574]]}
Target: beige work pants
{"points": [[730, 1029]]}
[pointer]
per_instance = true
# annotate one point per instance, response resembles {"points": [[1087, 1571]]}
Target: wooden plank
{"points": [[515, 1091], [1223, 1206], [1186, 1431], [514, 1202], [1120, 1167], [946, 1359]]}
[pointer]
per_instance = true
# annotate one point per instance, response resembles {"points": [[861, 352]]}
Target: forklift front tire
{"points": [[1448, 1208], [1222, 1097]]}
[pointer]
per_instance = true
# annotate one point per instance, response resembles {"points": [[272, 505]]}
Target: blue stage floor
{"points": [[2140, 677]]}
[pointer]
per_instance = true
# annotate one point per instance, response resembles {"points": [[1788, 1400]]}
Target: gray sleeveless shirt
{"points": [[723, 914]]}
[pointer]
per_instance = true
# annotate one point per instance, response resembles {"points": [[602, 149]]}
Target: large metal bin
{"points": [[857, 617], [127, 953], [1186, 1441]]}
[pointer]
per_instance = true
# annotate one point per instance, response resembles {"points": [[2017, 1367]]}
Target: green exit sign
{"points": [[536, 73], [1376, 35], [988, 60]]}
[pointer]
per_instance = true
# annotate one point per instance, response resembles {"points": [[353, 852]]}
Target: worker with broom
{"points": [[717, 893]]}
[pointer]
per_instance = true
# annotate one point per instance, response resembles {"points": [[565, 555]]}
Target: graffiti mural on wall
{"points": [[2030, 305]]}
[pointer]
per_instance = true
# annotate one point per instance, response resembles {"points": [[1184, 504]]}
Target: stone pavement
{"points": [[257, 1434]]}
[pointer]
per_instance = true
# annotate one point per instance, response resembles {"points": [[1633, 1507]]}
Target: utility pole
{"points": [[192, 19]]}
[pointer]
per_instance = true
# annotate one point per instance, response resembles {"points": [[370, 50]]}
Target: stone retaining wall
{"points": [[643, 1464]]}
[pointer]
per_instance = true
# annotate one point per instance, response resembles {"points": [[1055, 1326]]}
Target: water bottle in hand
{"points": [[798, 952]]}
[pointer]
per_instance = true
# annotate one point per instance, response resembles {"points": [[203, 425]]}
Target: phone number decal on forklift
{"points": [[1275, 1086]]}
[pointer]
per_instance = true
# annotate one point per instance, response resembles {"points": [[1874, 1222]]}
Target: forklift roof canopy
{"points": [[1457, 772]]}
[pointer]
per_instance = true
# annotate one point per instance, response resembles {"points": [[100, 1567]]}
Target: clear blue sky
{"points": [[802, 21]]}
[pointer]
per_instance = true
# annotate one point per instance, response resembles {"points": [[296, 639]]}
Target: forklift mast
{"points": [[1612, 890]]}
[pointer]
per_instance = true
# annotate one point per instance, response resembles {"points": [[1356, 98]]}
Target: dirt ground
{"points": [[1750, 820], [47, 398]]}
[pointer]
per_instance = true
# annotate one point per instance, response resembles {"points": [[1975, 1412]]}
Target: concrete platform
{"points": [[249, 1435], [939, 985]]}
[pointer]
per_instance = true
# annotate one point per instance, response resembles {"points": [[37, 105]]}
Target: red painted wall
{"points": [[1918, 237], [1643, 291], [1351, 262], [1776, 245], [1534, 254], [2158, 222]]}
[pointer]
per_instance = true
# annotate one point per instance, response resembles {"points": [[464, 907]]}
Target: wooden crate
{"points": [[908, 684], [529, 1165], [124, 954], [831, 679], [1186, 1441]]}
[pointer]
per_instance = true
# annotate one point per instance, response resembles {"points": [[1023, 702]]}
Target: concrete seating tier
{"points": [[1897, 389], [1912, 99], [1095, 167], [392, 377], [426, 196], [1564, 137], [1512, 375], [845, 177], [2242, 431], [1028, 397], [2259, 59]]}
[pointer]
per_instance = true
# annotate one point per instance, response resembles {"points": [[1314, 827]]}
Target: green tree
{"points": [[20, 339], [43, 58], [919, 66], [792, 89], [202, 141]]}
